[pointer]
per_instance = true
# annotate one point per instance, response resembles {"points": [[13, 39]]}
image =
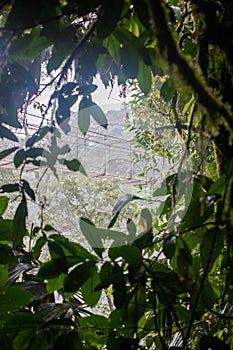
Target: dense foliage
{"points": [[168, 279]]}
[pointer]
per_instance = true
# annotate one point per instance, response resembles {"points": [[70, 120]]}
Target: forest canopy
{"points": [[167, 280]]}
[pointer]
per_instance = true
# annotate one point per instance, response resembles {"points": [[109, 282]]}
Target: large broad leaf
{"points": [[90, 295], [78, 276], [120, 204], [3, 275], [74, 165], [21, 321], [98, 236], [95, 328], [144, 77], [131, 254], [219, 186], [10, 188], [168, 89], [169, 247], [27, 188], [73, 249], [207, 297], [53, 268], [7, 152], [84, 115], [19, 223], [23, 338], [99, 116], [29, 46], [6, 255], [13, 299], [3, 204], [7, 134], [88, 108], [55, 283], [40, 242], [114, 48], [211, 247]]}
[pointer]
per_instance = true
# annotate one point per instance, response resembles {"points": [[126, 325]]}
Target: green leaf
{"points": [[211, 247], [7, 152], [55, 250], [21, 321], [90, 295], [84, 115], [95, 328], [99, 116], [36, 251], [75, 165], [10, 188], [168, 89], [169, 247], [23, 339], [19, 223], [52, 268], [207, 298], [5, 230], [131, 254], [97, 236], [114, 47], [13, 299], [144, 77], [6, 255], [3, 204], [55, 283], [28, 190], [7, 134], [219, 186], [19, 158], [3, 275], [29, 46], [74, 249], [78, 276]]}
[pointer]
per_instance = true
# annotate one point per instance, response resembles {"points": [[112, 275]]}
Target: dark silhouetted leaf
{"points": [[7, 134], [19, 223], [78, 276], [90, 295], [169, 247], [19, 158], [13, 299], [74, 165], [7, 152], [168, 89], [28, 190], [211, 247]]}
